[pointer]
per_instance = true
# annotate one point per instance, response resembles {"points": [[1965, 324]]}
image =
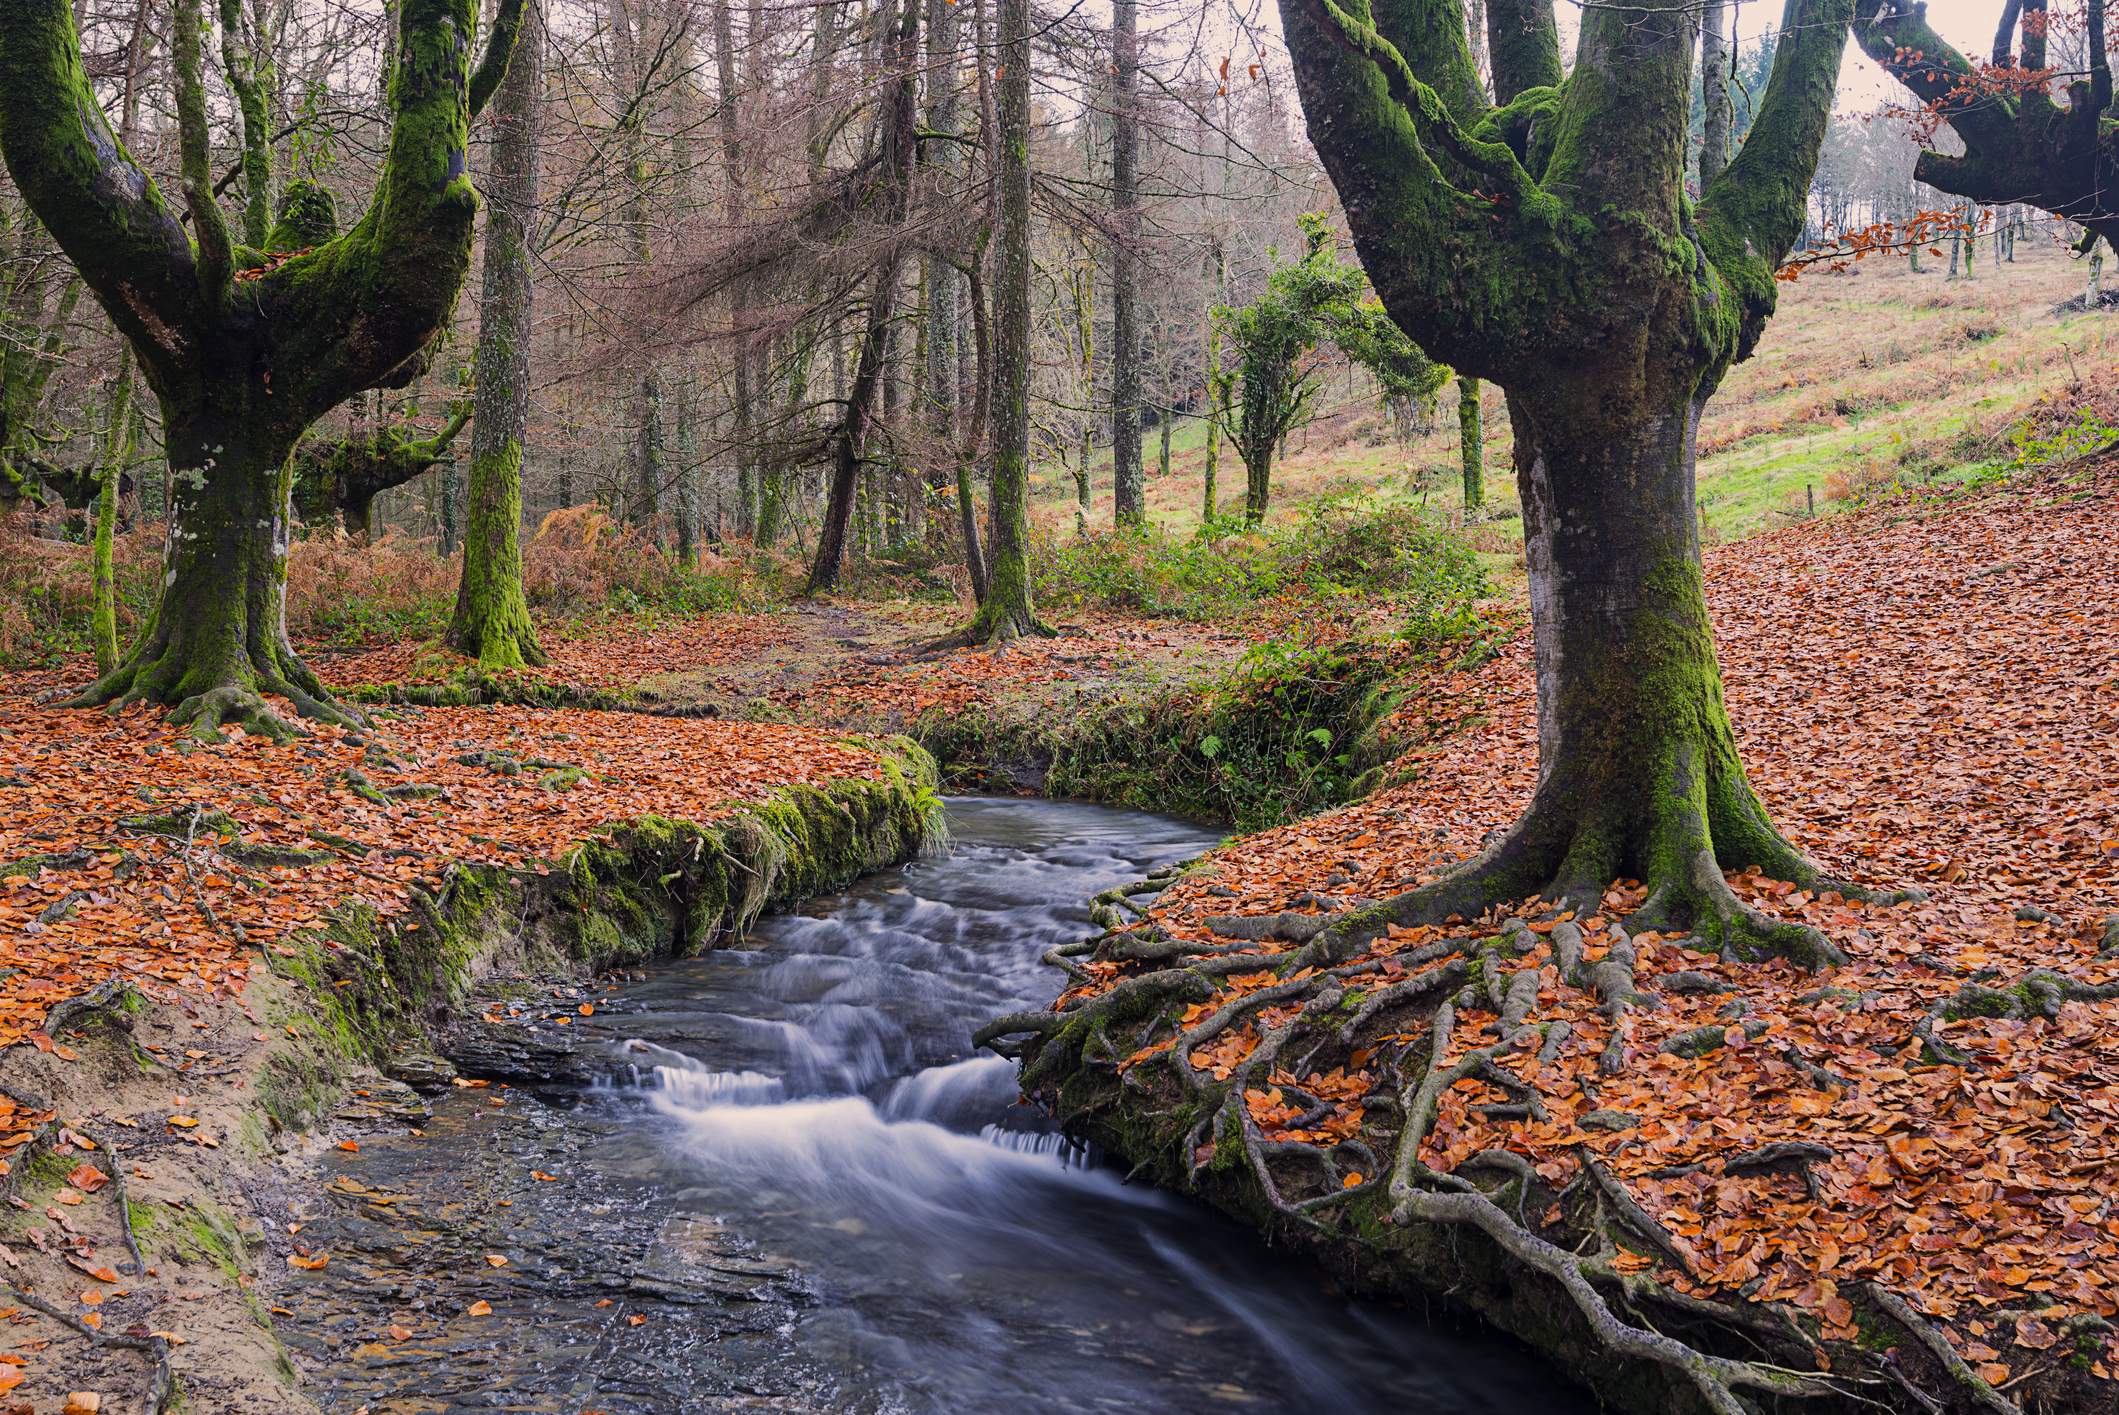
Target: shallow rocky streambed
{"points": [[795, 1187]]}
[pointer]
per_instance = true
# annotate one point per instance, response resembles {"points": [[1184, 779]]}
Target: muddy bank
{"points": [[154, 1243]]}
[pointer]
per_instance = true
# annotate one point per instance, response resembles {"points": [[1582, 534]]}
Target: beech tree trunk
{"points": [[1006, 612], [1127, 491], [1607, 351], [492, 619], [218, 637], [240, 379], [1638, 769]]}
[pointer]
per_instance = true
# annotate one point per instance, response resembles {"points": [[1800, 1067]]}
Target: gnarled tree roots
{"points": [[206, 698], [1293, 1067]]}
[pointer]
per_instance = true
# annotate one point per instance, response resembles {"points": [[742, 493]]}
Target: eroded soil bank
{"points": [[163, 1148]]}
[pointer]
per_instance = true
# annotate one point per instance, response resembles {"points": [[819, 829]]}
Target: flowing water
{"points": [[803, 1190]]}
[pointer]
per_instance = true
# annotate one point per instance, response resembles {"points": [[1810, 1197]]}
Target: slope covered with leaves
{"points": [[129, 850], [1927, 695]]}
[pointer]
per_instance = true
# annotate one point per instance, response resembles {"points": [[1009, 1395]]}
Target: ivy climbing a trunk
{"points": [[1471, 444], [1317, 299], [492, 622], [241, 368], [1548, 246]]}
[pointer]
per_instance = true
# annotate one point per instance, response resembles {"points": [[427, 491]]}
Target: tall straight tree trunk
{"points": [[975, 435], [849, 443], [1128, 508], [1007, 612], [940, 277], [1471, 443], [631, 31], [687, 499], [1716, 99], [492, 619], [748, 472], [1085, 381], [103, 590]]}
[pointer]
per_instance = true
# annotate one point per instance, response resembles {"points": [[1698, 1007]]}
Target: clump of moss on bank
{"points": [[1286, 732], [648, 888]]}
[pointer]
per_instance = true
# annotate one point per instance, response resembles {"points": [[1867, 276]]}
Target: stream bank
{"points": [[778, 1177], [148, 1235]]}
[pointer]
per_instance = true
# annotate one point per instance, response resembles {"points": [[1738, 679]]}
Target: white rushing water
{"points": [[818, 1092]]}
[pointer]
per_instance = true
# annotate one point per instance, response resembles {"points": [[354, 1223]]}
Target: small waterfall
{"points": [[690, 1088], [1044, 1144]]}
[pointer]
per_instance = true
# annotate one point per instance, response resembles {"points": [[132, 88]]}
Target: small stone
{"points": [[1608, 1120]]}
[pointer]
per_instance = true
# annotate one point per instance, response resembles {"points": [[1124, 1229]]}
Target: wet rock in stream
{"points": [[609, 1297]]}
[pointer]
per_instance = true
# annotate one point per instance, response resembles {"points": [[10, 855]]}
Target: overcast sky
{"points": [[1969, 24]]}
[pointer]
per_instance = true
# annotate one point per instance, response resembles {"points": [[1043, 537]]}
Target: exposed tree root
{"points": [[207, 699], [1300, 994]]}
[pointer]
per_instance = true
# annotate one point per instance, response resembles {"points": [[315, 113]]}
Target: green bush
{"points": [[1334, 550]]}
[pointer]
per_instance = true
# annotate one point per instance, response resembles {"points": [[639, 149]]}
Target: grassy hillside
{"points": [[1864, 378]]}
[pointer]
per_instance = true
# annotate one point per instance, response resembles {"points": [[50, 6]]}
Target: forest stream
{"points": [[799, 1189]]}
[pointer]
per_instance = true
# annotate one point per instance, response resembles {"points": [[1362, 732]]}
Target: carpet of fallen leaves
{"points": [[872, 664], [1925, 696], [612, 655], [131, 875]]}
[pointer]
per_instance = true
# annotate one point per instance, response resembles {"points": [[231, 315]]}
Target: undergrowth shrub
{"points": [[44, 589], [1334, 550], [578, 565], [1288, 730]]}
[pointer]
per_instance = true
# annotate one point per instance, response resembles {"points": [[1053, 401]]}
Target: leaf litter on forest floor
{"points": [[1924, 696], [128, 850]]}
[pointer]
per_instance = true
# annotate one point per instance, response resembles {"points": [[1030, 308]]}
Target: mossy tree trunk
{"points": [[1541, 260], [1471, 443], [1716, 102], [1084, 277], [117, 445], [242, 371], [492, 620], [1006, 611]]}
